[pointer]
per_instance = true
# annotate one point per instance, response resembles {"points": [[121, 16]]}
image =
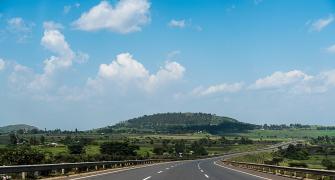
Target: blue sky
{"points": [[87, 64]]}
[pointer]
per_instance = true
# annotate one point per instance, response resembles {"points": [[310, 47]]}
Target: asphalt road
{"points": [[205, 169]]}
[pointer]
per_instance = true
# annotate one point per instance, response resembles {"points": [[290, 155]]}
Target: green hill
{"points": [[181, 123], [16, 127]]}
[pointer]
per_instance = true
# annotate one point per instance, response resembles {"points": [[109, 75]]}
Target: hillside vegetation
{"points": [[181, 123], [14, 128]]}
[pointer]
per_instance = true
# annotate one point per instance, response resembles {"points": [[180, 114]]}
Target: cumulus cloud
{"points": [[127, 16], [320, 24], [54, 41], [2, 64], [279, 79], [177, 23], [26, 80], [219, 88], [125, 70], [296, 82], [20, 28]]}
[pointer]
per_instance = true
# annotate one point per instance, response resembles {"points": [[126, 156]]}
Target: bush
{"points": [[76, 148], [21, 155], [298, 164], [158, 150], [198, 149], [328, 164]]}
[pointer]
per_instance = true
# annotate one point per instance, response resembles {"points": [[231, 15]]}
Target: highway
{"points": [[205, 169]]}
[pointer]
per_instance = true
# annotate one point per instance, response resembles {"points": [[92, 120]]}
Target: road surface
{"points": [[205, 169]]}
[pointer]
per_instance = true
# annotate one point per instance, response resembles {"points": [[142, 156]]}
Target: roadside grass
{"points": [[314, 161], [287, 134], [254, 158], [143, 151]]}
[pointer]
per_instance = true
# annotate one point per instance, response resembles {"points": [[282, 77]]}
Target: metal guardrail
{"points": [[294, 172], [63, 167]]}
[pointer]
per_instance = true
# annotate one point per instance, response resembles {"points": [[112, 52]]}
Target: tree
{"points": [[180, 147], [245, 140], [198, 149], [158, 150], [13, 139], [76, 148], [42, 139], [33, 140], [118, 149]]}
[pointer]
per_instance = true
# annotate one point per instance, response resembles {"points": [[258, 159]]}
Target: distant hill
{"points": [[16, 127], [181, 123]]}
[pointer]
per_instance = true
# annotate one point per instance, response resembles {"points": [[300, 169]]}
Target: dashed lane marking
{"points": [[147, 178]]}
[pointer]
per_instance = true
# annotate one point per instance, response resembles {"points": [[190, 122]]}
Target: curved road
{"points": [[205, 169]]}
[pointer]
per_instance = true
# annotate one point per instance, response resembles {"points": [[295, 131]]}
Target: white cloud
{"points": [[50, 25], [296, 82], [55, 41], [127, 16], [21, 29], [177, 23], [25, 80], [279, 79], [2, 64], [320, 24], [331, 49], [125, 70], [68, 8], [219, 88]]}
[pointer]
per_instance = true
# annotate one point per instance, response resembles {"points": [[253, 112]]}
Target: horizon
{"points": [[66, 65]]}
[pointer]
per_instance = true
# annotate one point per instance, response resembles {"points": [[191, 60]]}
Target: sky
{"points": [[88, 64]]}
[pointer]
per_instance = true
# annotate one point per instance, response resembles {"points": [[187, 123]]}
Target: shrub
{"points": [[298, 164], [76, 148], [328, 164]]}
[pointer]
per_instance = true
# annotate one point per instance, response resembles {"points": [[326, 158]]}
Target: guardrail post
{"points": [[63, 171], [103, 167], [36, 173], [306, 175], [24, 175], [96, 168]]}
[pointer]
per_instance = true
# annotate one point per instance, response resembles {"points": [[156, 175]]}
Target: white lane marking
{"points": [[172, 166], [147, 178], [201, 170], [242, 172], [121, 170], [206, 176], [199, 166], [159, 172], [167, 168]]}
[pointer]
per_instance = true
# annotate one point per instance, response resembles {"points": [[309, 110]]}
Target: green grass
{"points": [[314, 161], [143, 151], [254, 158], [288, 133]]}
